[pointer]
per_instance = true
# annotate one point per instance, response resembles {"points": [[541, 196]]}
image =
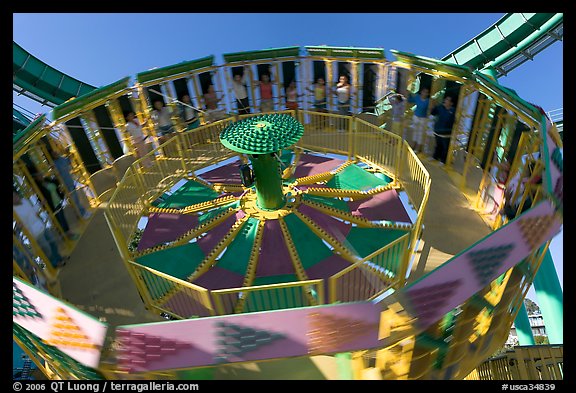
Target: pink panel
{"points": [[457, 280], [164, 227], [228, 173], [383, 206], [334, 227], [309, 165], [49, 317], [218, 278], [211, 239], [185, 305], [289, 328], [274, 258]]}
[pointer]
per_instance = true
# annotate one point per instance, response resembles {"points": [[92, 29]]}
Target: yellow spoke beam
{"points": [[298, 268], [288, 172], [360, 221], [223, 187], [197, 207], [252, 264], [321, 233], [189, 235], [341, 193], [216, 251]]}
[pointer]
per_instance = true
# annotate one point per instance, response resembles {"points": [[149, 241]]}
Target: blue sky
{"points": [[102, 48]]}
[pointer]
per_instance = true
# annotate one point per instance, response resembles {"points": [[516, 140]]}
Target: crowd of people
{"points": [[444, 116]]}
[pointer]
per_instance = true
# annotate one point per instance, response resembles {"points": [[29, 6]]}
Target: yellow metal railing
{"points": [[531, 362], [269, 297], [326, 132], [373, 275], [377, 146], [177, 158], [172, 295]]}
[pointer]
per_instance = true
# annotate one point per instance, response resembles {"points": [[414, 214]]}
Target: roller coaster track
{"points": [[510, 42], [37, 80]]}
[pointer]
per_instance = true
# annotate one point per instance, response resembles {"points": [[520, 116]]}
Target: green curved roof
{"points": [[20, 139], [90, 97], [41, 82], [430, 63], [348, 52], [175, 69], [272, 53], [508, 37]]}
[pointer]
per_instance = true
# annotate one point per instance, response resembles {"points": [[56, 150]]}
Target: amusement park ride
{"points": [[288, 238]]}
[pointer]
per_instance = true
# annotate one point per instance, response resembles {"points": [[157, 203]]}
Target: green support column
{"points": [[268, 181], [344, 365], [549, 294], [523, 328], [263, 138]]}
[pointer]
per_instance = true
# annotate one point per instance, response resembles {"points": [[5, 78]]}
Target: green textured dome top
{"points": [[262, 134]]}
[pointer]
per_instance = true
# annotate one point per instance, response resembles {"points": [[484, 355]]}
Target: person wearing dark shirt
{"points": [[445, 114], [54, 196]]}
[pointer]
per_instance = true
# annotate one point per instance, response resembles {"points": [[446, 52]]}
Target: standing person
{"points": [[137, 136], [64, 167], [266, 103], [162, 118], [319, 90], [188, 113], [241, 93], [445, 114], [292, 96], [54, 196], [398, 106], [343, 92], [211, 101], [44, 236], [420, 118]]}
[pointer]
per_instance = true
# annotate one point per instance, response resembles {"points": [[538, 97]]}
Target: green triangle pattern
{"points": [[486, 262], [21, 306], [236, 340]]}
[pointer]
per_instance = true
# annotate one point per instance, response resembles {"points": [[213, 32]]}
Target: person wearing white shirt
{"points": [[241, 93], [136, 133], [163, 118], [28, 216]]}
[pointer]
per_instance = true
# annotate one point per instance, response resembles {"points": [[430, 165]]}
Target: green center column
{"points": [[268, 181], [262, 138]]}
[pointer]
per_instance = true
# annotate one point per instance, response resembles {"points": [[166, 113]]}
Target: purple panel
{"points": [[214, 235], [228, 173], [164, 227], [185, 305], [218, 278], [304, 187], [309, 165], [274, 258], [460, 270], [293, 324], [334, 227], [383, 206], [327, 267]]}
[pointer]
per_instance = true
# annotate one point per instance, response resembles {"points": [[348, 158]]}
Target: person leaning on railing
{"points": [[188, 113], [163, 119], [266, 103], [43, 235], [211, 101], [52, 192], [64, 167], [319, 90], [398, 103]]}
